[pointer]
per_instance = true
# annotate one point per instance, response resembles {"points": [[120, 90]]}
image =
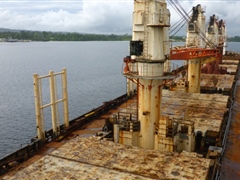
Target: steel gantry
{"points": [[200, 48]]}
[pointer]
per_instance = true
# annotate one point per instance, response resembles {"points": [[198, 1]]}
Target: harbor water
{"points": [[94, 74]]}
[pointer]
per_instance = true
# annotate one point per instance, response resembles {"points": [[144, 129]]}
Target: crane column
{"points": [[149, 49], [195, 32]]}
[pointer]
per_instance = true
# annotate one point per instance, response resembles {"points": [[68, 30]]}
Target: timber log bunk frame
{"points": [[10, 161]]}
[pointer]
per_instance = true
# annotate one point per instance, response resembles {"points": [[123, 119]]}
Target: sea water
{"points": [[94, 75]]}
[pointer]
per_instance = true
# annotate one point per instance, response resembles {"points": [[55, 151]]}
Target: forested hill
{"points": [[61, 36], [55, 36], [233, 39]]}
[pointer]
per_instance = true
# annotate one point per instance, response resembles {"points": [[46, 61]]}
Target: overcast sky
{"points": [[100, 16]]}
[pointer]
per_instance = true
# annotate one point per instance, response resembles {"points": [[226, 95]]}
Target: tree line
{"points": [[58, 36], [233, 39]]}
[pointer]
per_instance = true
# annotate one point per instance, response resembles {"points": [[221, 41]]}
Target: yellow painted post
{"points": [[39, 118], [65, 98], [194, 75], [53, 103], [151, 20]]}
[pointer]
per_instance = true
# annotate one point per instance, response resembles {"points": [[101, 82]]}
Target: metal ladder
{"points": [[146, 18]]}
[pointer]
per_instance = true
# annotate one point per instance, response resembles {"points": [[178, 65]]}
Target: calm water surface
{"points": [[93, 72]]}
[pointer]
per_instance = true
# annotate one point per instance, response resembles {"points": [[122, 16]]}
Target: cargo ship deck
{"points": [[167, 126], [82, 155]]}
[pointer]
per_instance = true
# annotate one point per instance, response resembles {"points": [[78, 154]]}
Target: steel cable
{"points": [[179, 9]]}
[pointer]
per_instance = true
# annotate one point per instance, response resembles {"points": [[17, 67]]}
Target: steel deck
{"points": [[91, 158]]}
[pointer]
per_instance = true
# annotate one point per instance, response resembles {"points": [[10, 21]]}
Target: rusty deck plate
{"points": [[224, 81], [205, 110], [91, 158], [230, 67]]}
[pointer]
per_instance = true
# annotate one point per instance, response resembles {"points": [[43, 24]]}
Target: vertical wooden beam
{"points": [[194, 75], [53, 103], [65, 98], [39, 118]]}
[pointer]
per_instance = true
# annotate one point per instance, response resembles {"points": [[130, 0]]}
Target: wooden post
{"points": [[53, 103], [39, 118], [65, 98], [194, 75]]}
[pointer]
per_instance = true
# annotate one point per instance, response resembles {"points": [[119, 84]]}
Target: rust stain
{"points": [[150, 85]]}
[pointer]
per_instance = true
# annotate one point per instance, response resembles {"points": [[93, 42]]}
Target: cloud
{"points": [[99, 16], [109, 17], [74, 16]]}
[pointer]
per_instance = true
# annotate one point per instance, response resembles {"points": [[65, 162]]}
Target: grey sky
{"points": [[99, 16]]}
